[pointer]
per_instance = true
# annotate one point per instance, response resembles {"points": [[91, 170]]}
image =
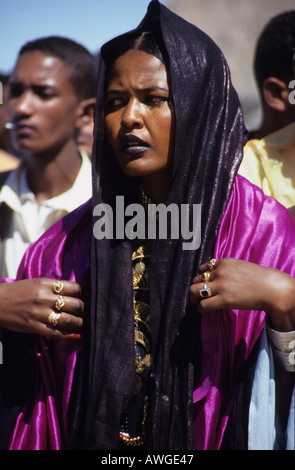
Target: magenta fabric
{"points": [[251, 229], [61, 253], [254, 228]]}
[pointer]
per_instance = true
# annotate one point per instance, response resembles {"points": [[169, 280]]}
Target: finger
{"points": [[70, 288], [209, 266], [64, 322], [71, 305], [207, 305], [70, 323], [195, 294], [56, 333], [204, 305], [206, 276]]}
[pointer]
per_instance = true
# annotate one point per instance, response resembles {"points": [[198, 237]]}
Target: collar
{"points": [[15, 192]]}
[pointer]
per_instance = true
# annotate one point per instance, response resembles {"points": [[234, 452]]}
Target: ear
{"points": [[276, 94], [85, 112]]}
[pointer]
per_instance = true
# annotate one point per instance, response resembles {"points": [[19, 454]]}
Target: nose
{"points": [[23, 104], [132, 116]]}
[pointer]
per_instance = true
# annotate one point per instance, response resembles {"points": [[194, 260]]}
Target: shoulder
{"points": [[255, 200], [67, 239], [256, 227]]}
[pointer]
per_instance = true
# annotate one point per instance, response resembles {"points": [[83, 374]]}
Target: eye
{"points": [[114, 103], [156, 100], [45, 93], [15, 89]]}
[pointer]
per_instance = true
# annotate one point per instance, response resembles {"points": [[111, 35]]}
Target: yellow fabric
{"points": [[270, 164]]}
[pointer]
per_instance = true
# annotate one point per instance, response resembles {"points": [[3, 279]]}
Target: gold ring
{"points": [[211, 264], [57, 287], [59, 303], [206, 276], [53, 318]]}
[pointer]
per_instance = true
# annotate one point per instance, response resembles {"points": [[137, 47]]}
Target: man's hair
{"points": [[275, 48], [4, 78], [79, 61]]}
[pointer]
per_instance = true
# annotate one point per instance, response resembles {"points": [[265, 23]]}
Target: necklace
{"points": [[142, 344]]}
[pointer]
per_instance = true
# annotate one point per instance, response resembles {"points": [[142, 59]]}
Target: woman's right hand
{"points": [[238, 284], [25, 307]]}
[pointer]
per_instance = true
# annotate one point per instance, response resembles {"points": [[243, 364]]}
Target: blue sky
{"points": [[90, 22]]}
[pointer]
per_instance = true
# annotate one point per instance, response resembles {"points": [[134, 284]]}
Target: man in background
{"points": [[269, 155], [51, 95], [8, 161]]}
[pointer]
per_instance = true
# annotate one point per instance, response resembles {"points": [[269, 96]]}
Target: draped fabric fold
{"points": [[37, 374], [251, 230]]}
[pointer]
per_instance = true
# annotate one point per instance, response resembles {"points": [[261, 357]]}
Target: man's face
{"points": [[42, 104]]}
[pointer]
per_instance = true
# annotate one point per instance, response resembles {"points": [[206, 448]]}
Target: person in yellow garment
{"points": [[269, 155]]}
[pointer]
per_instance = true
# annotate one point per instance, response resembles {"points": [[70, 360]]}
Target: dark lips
{"points": [[131, 144], [23, 128]]}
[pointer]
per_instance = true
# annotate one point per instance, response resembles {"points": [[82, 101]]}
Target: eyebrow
{"points": [[39, 85], [37, 88], [141, 90]]}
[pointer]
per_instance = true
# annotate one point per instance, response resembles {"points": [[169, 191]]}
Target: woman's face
{"points": [[139, 116]]}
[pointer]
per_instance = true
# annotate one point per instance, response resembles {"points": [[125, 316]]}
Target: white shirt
{"points": [[23, 221], [264, 430]]}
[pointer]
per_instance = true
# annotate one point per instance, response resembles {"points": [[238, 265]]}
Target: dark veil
{"points": [[209, 142]]}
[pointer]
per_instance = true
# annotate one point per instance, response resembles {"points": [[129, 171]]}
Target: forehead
{"points": [[138, 69], [39, 68]]}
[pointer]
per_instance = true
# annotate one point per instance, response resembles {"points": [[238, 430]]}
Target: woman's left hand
{"points": [[237, 284]]}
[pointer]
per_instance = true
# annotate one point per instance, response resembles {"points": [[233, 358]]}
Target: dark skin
{"points": [[47, 114], [278, 112], [237, 284], [27, 304]]}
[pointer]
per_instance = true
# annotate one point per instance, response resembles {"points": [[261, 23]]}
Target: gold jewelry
{"points": [[140, 338], [53, 318], [137, 440], [141, 311], [205, 292], [140, 270], [206, 276], [139, 267], [143, 364], [57, 287], [59, 304], [211, 264]]}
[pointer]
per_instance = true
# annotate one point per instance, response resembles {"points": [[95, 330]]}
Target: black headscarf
{"points": [[209, 140]]}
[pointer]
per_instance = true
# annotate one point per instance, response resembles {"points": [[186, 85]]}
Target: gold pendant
{"points": [[139, 268]]}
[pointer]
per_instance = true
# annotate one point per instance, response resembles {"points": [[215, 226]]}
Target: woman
{"points": [[168, 122]]}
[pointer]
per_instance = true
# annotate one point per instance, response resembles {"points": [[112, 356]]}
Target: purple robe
{"points": [[254, 228]]}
